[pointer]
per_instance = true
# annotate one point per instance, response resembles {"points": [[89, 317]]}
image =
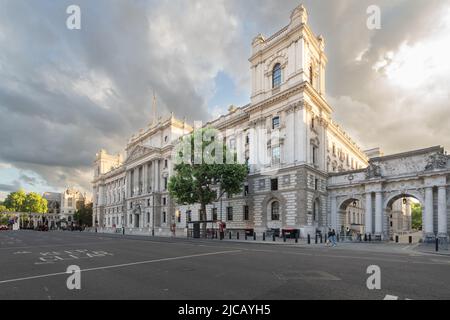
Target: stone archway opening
{"points": [[404, 218], [351, 217]]}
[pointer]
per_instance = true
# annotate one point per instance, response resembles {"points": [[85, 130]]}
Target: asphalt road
{"points": [[33, 266]]}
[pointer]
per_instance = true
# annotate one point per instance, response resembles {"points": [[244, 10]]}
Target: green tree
{"points": [[83, 216], [15, 201], [35, 203], [3, 208], [202, 172], [416, 216]]}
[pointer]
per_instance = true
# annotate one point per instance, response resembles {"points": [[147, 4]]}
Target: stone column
{"points": [[442, 212], [158, 172], [428, 216], [290, 144], [368, 212], [144, 178], [333, 221], [378, 213]]}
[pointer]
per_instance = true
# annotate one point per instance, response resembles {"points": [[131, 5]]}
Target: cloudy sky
{"points": [[64, 94]]}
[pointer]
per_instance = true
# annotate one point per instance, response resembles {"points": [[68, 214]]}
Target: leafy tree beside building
{"points": [[416, 216], [19, 201], [204, 172]]}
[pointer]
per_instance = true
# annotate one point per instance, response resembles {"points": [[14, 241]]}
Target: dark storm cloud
{"points": [[65, 94], [10, 187]]}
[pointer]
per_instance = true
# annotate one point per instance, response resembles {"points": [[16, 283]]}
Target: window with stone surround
{"points": [[230, 213], [276, 155], [246, 213], [274, 184], [275, 211], [276, 76], [275, 122]]}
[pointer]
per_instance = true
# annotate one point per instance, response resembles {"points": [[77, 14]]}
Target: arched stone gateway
{"points": [[422, 175]]}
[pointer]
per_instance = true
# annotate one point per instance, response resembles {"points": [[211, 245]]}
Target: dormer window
{"points": [[276, 76]]}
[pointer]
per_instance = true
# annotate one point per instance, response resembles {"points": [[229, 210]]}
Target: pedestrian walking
{"points": [[329, 235], [333, 238]]}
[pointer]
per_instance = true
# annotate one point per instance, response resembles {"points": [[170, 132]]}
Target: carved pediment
{"points": [[138, 152]]}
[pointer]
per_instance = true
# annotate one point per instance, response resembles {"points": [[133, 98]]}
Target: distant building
{"points": [[71, 201], [53, 202]]}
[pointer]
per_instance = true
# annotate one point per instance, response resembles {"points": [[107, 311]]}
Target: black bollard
{"points": [[245, 236], [321, 239], [337, 237], [309, 239], [396, 239], [316, 239], [273, 237], [237, 235], [365, 237], [254, 236], [264, 236], [284, 237], [296, 237], [410, 239], [229, 235], [437, 244], [370, 237]]}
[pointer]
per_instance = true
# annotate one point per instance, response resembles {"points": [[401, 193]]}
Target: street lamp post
{"points": [[153, 215]]}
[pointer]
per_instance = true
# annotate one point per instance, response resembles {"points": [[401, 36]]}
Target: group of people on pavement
{"points": [[331, 239]]}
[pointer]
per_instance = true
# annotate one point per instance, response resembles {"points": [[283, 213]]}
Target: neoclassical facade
{"points": [[297, 154]]}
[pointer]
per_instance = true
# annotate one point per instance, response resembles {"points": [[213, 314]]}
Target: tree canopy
{"points": [[19, 201], [416, 216], [203, 170], [83, 215]]}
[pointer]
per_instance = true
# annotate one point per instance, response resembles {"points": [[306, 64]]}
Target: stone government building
{"points": [[314, 174]]}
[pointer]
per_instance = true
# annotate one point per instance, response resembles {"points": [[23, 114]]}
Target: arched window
{"points": [[275, 211], [276, 76]]}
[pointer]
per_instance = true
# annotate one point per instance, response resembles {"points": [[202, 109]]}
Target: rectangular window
{"points": [[179, 217], [164, 217], [275, 155], [245, 190], [232, 144], [166, 163], [275, 123], [274, 184], [246, 213], [230, 213], [316, 184], [314, 154], [165, 183], [189, 215], [164, 201], [214, 214]]}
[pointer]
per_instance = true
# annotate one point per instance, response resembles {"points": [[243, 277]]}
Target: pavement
{"points": [[33, 265]]}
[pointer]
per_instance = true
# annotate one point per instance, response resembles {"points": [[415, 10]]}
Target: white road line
{"points": [[122, 265]]}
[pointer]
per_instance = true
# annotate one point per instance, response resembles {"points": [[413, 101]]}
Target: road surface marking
{"points": [[122, 265]]}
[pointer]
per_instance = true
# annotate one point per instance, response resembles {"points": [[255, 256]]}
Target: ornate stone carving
{"points": [[373, 171], [436, 161]]}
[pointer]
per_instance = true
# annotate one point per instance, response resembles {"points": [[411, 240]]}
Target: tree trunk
{"points": [[203, 218]]}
